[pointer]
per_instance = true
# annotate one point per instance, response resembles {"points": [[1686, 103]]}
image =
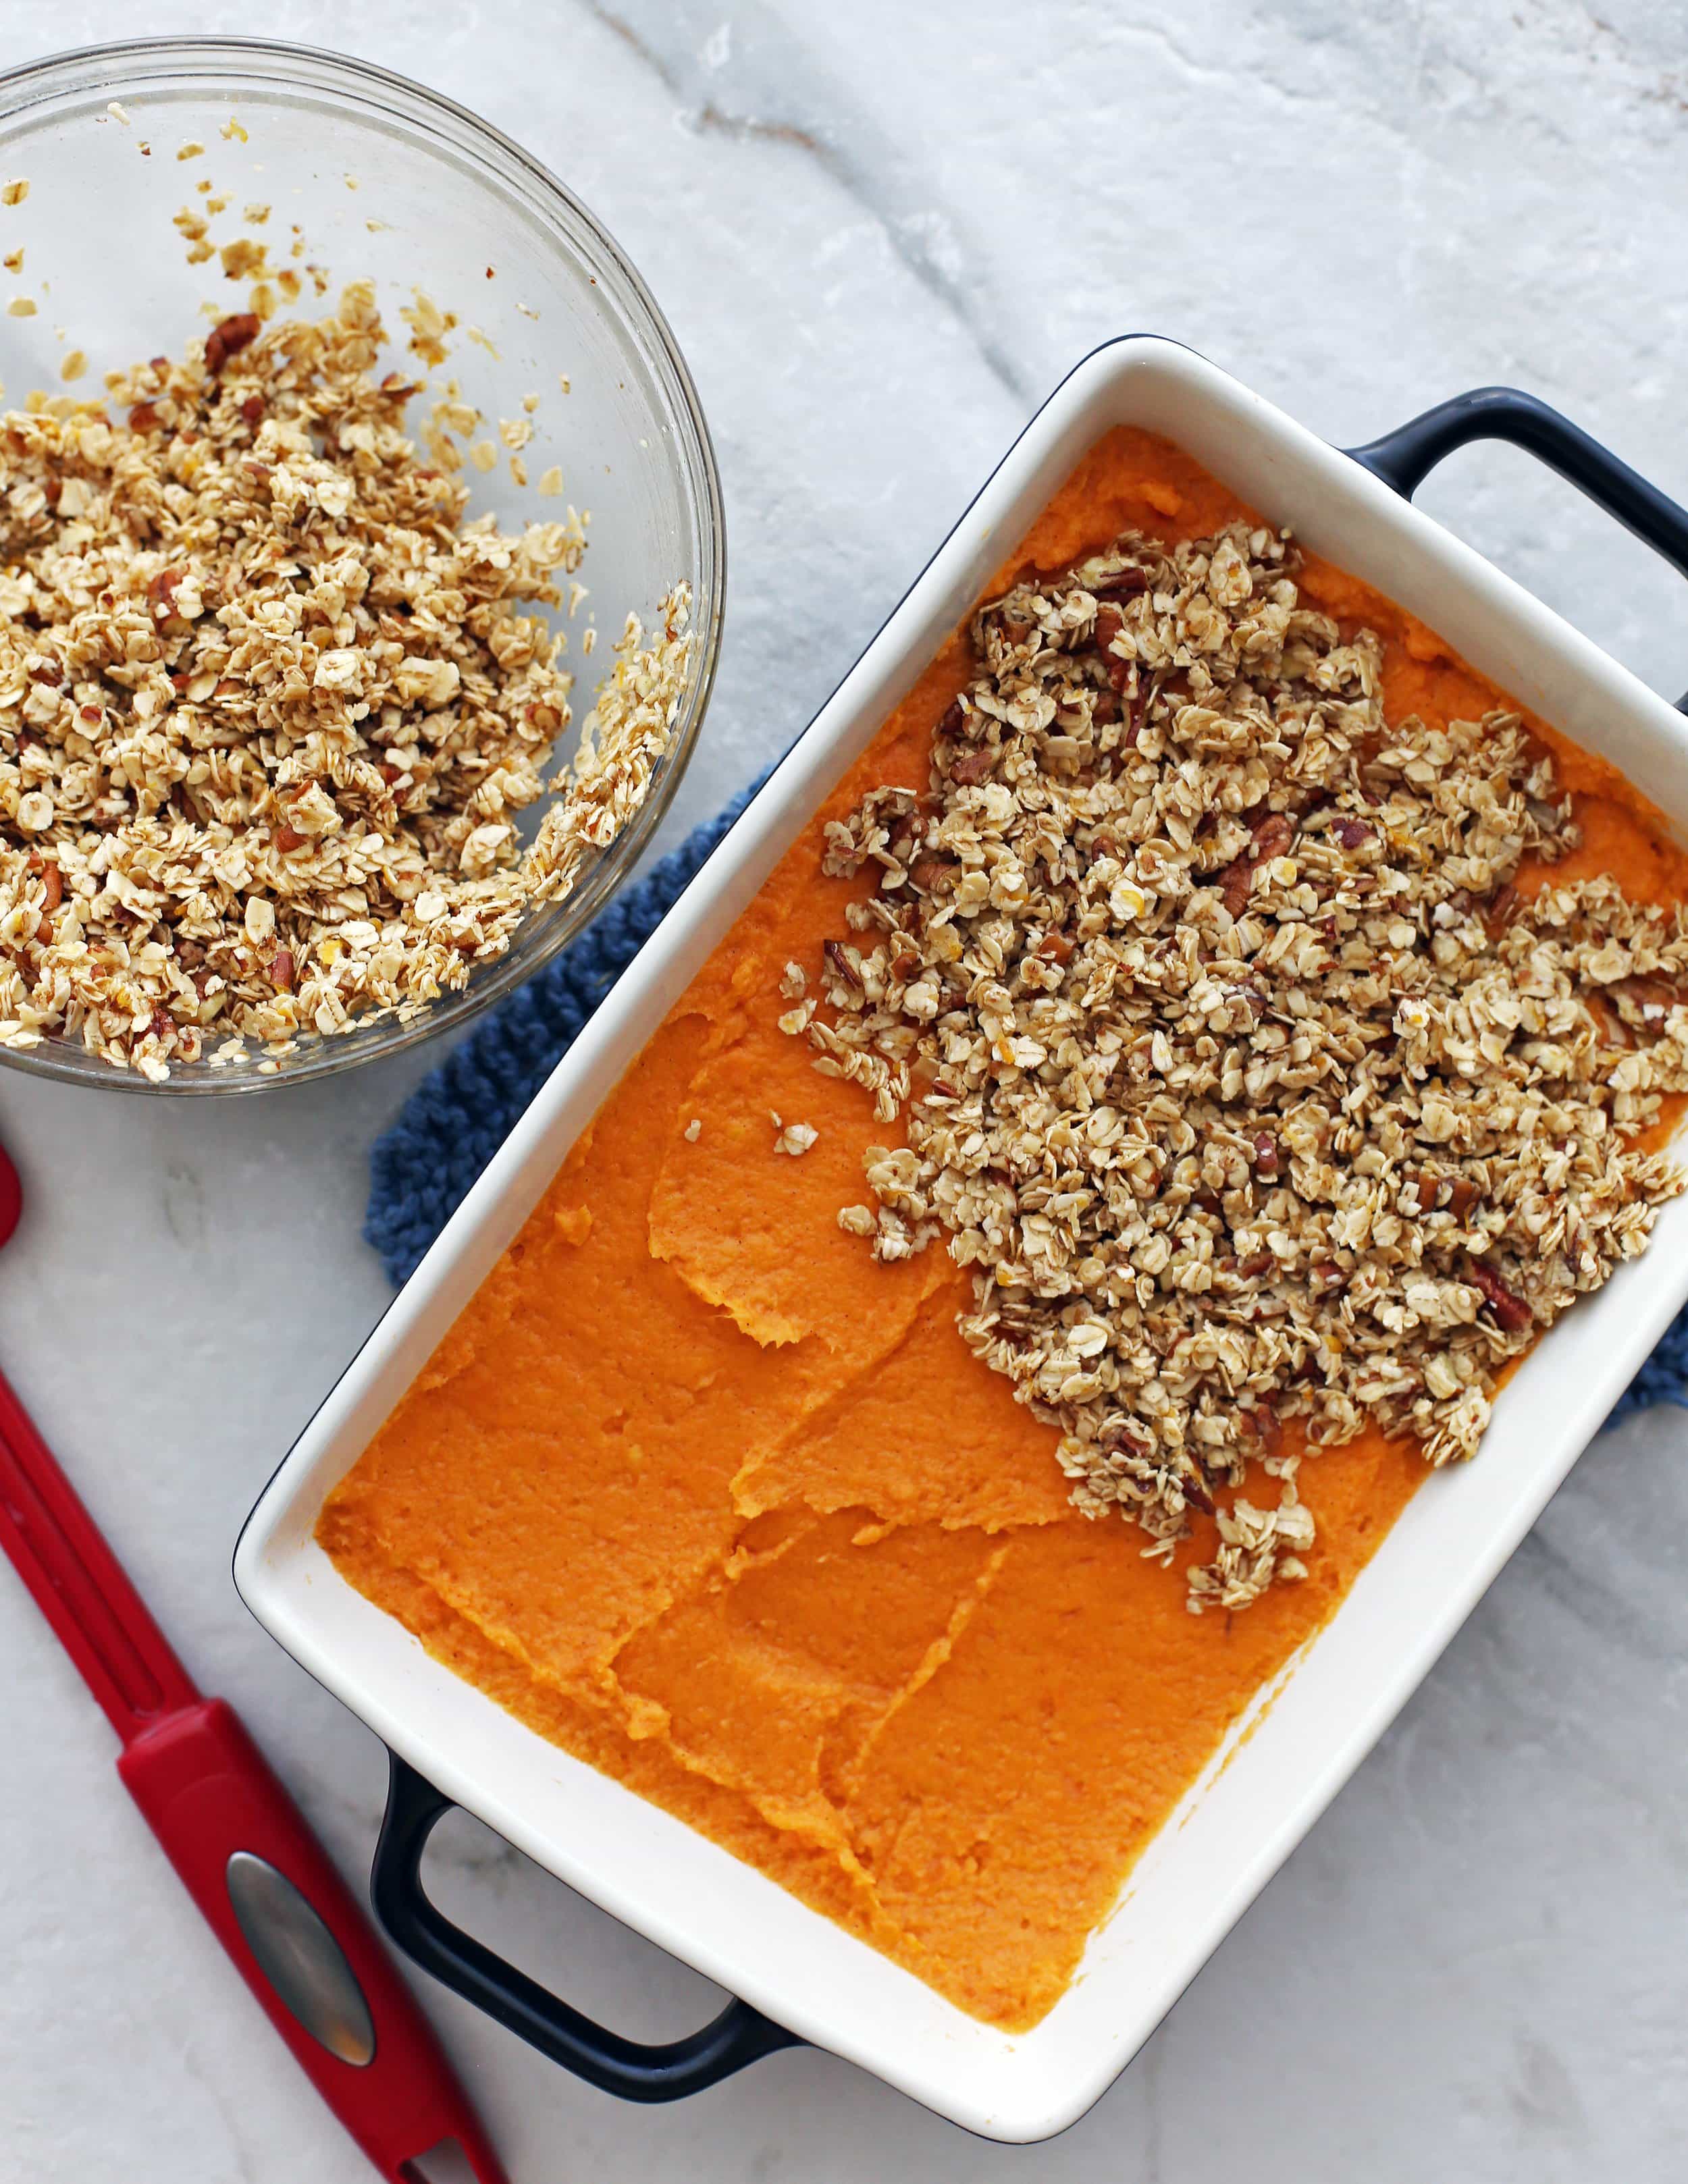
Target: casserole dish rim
{"points": [[1025, 2085]]}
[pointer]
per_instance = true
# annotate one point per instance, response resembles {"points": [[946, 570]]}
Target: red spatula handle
{"points": [[288, 1921], [77, 1581]]}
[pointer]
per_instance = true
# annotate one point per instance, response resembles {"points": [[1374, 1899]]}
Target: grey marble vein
{"points": [[749, 76]]}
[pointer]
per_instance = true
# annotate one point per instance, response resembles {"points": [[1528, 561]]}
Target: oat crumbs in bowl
{"points": [[273, 703]]}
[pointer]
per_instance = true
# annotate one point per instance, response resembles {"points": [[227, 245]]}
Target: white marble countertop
{"points": [[882, 233]]}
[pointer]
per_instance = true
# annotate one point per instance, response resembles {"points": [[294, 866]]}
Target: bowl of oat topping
{"points": [[361, 581]]}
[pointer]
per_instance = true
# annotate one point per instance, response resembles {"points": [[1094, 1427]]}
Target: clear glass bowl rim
{"points": [[135, 61]]}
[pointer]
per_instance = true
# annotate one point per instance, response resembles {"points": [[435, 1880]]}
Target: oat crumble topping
{"points": [[1230, 1059], [271, 706]]}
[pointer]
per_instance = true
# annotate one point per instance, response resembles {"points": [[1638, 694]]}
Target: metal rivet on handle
{"points": [[300, 1958]]}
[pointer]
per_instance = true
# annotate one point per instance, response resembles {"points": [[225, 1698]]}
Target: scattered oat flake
{"points": [[375, 226], [191, 150], [530, 403], [515, 431], [74, 365], [256, 214], [694, 1130], [14, 192], [518, 470], [428, 325], [795, 1139], [551, 481], [21, 307], [233, 132], [118, 113], [563, 381], [12, 261], [484, 455]]}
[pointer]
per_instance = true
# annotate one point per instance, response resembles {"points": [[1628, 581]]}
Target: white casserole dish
{"points": [[1257, 1800]]}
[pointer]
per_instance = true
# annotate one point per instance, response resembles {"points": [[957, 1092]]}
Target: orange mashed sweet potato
{"points": [[704, 1495]]}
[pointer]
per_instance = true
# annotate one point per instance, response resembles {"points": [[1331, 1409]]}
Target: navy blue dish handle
{"points": [[740, 2035], [636, 2072], [1403, 459]]}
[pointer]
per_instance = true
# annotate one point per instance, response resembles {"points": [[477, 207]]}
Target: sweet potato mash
{"points": [[705, 1496]]}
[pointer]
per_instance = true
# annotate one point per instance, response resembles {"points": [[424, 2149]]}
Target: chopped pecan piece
{"points": [[1271, 837], [927, 872], [1511, 1313], [161, 593], [52, 880], [1644, 1002], [839, 963], [1237, 880], [1124, 584], [1502, 906], [229, 336], [1193, 1488], [973, 766]]}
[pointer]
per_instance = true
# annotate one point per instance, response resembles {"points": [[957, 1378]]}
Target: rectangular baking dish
{"points": [[799, 1974]]}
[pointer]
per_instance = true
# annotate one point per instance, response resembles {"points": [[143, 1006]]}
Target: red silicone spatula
{"points": [[232, 1833]]}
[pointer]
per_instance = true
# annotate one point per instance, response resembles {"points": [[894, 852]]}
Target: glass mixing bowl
{"points": [[389, 182]]}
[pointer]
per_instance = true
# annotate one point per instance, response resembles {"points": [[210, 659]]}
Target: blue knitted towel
{"points": [[457, 1116]]}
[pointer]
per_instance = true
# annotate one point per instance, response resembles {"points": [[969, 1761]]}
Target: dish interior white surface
{"points": [[1267, 1787]]}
